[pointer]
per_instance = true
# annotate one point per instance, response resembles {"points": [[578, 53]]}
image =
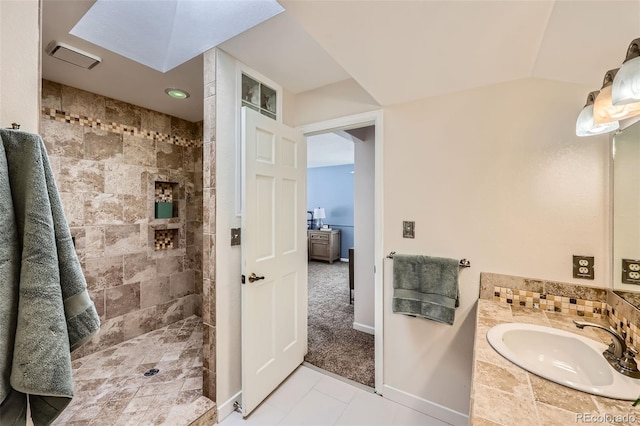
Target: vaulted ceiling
{"points": [[397, 50]]}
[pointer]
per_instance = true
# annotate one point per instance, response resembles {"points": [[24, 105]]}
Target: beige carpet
{"points": [[333, 343]]}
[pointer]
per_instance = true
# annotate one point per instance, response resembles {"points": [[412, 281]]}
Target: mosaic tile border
{"points": [[84, 121], [550, 302]]}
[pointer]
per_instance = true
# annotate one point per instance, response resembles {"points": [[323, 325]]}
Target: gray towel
{"points": [[45, 309], [425, 286]]}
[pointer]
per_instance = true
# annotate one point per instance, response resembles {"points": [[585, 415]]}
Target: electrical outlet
{"points": [[630, 271], [408, 229], [583, 267]]}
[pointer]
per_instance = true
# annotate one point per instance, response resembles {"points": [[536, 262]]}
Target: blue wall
{"points": [[332, 188]]}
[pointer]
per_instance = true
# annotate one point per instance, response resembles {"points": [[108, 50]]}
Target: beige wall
{"points": [[333, 101], [106, 175], [20, 64], [494, 175]]}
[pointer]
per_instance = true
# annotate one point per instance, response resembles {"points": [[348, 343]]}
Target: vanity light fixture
{"points": [[585, 126], [606, 112], [626, 84], [177, 93]]}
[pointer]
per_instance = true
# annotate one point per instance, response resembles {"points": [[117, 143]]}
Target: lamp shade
{"points": [[318, 213], [626, 84]]}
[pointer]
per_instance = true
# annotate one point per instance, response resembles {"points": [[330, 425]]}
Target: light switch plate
{"points": [[235, 237], [583, 267], [408, 229]]}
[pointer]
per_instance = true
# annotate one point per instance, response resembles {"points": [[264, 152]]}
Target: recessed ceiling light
{"points": [[177, 93]]}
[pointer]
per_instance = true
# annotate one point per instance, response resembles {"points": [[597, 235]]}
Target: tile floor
{"points": [[309, 397], [111, 388]]}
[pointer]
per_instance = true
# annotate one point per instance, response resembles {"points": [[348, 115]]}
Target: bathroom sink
{"points": [[562, 357]]}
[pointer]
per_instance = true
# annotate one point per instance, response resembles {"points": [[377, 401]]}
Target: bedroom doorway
{"points": [[340, 200]]}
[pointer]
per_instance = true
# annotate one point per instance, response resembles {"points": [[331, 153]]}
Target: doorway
{"points": [[341, 301]]}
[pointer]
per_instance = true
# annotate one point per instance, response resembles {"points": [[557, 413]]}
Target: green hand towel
{"points": [[54, 313], [425, 286]]}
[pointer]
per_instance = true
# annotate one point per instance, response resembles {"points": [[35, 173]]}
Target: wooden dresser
{"points": [[324, 245]]}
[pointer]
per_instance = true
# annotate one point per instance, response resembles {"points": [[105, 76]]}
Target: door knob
{"points": [[253, 277]]}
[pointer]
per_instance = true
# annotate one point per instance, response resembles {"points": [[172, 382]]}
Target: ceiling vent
{"points": [[70, 54]]}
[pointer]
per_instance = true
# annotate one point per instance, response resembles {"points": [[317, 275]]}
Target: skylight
{"points": [[163, 34]]}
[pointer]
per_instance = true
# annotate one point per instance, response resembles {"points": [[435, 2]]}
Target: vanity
{"points": [[505, 394]]}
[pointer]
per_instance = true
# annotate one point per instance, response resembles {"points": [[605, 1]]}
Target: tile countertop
{"points": [[504, 394]]}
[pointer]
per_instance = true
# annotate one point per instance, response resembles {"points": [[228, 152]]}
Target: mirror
{"points": [[626, 214]]}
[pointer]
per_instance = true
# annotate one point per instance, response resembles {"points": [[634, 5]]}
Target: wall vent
{"points": [[70, 54]]}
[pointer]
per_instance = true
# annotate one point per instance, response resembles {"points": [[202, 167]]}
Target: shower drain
{"points": [[152, 372]]}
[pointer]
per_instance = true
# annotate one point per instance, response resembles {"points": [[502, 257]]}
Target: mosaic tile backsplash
{"points": [[549, 302], [582, 301]]}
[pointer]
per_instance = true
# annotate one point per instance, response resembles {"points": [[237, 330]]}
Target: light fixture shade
{"points": [[626, 84], [585, 125], [605, 112], [319, 213], [603, 109]]}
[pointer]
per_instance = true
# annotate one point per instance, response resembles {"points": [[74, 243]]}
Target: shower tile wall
{"points": [[105, 155], [209, 228]]}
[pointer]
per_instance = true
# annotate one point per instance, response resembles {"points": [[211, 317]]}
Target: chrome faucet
{"points": [[620, 356]]}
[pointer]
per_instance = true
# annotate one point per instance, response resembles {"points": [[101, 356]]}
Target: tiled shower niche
{"points": [[165, 208], [165, 239], [167, 215]]}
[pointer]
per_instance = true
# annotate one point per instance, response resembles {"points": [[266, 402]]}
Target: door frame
{"points": [[374, 118]]}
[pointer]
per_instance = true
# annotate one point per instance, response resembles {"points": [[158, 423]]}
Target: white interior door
{"points": [[274, 259]]}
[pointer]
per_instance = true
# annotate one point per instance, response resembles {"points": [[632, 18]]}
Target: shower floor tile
{"points": [[111, 386]]}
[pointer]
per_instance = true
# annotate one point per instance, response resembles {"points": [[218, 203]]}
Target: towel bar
{"points": [[463, 262]]}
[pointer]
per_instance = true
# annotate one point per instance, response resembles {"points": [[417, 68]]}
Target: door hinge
{"points": [[243, 278]]}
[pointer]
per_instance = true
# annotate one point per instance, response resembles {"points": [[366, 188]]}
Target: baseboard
{"points": [[227, 407], [427, 407], [364, 328], [342, 259]]}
